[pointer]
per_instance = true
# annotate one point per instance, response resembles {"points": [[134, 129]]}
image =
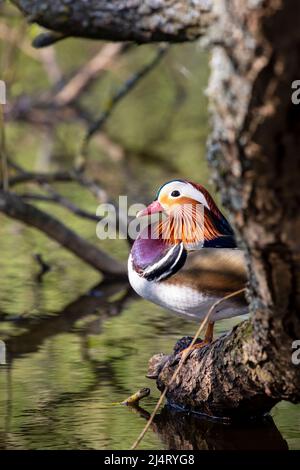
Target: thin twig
{"points": [[28, 177], [87, 73], [49, 61], [134, 399], [121, 93], [43, 179], [181, 363], [71, 176], [56, 198]]}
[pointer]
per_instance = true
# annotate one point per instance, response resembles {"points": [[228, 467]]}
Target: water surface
{"points": [[76, 349]]}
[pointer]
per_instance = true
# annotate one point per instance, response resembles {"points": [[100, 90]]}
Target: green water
{"points": [[76, 349]]}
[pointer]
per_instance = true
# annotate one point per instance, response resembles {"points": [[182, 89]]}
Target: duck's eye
{"points": [[175, 193]]}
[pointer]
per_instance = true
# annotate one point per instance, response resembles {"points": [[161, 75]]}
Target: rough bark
{"points": [[254, 151], [137, 20], [14, 207]]}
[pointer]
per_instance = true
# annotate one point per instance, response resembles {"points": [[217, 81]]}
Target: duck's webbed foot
{"points": [[182, 348]]}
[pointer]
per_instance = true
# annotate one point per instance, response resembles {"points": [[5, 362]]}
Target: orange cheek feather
{"points": [[190, 219]]}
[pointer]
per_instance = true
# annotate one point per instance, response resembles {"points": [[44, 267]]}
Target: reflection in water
{"points": [[182, 431], [39, 331], [63, 393]]}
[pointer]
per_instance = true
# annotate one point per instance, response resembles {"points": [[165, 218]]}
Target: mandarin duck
{"points": [[187, 259]]}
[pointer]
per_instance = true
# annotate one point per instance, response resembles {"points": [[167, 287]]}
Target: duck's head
{"points": [[190, 216]]}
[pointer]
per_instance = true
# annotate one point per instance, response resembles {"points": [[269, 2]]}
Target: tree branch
{"points": [[57, 198], [83, 78], [41, 178], [93, 187], [121, 20], [14, 207]]}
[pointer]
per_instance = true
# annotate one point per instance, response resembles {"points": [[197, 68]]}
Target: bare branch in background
{"points": [[50, 64], [13, 206], [56, 198], [87, 73], [40, 178], [62, 102], [45, 179], [122, 92]]}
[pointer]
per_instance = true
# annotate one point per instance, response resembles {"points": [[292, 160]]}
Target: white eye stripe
{"points": [[185, 189], [198, 196]]}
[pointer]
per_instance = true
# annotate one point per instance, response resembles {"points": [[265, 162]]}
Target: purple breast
{"points": [[146, 250]]}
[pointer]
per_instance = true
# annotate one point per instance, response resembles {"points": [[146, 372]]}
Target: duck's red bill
{"points": [[154, 208]]}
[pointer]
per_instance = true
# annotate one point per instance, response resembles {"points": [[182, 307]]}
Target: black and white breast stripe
{"points": [[168, 265]]}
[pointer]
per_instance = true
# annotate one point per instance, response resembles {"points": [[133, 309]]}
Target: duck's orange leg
{"points": [[209, 334]]}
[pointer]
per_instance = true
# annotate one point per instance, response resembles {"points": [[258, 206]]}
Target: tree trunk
{"points": [[254, 152]]}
